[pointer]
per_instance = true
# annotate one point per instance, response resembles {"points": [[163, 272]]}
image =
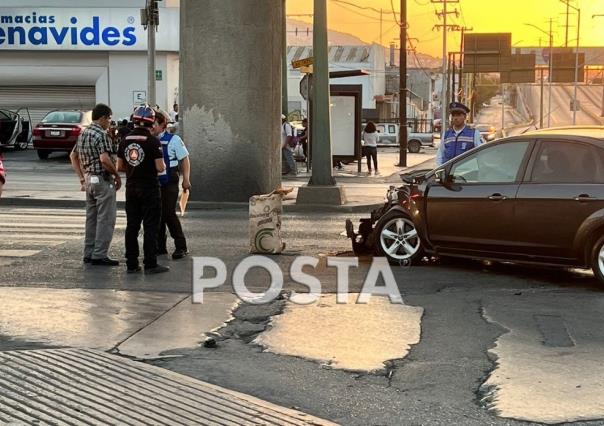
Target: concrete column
{"points": [[230, 96]]}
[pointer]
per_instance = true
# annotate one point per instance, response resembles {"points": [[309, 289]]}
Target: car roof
{"points": [[596, 132]]}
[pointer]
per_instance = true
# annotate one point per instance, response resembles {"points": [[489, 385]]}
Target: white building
{"points": [[369, 58], [77, 53]]}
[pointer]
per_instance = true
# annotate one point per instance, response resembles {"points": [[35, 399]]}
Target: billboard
{"points": [[522, 69], [487, 52]]}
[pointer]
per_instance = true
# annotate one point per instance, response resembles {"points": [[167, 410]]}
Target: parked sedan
{"points": [[15, 128], [59, 131], [532, 198]]}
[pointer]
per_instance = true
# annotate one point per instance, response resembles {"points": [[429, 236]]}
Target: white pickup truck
{"points": [[388, 136]]}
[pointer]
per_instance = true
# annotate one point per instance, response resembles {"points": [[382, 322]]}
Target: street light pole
{"points": [[151, 15], [550, 68], [322, 173]]}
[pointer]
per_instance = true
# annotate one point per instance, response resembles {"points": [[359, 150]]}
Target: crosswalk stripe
{"points": [[27, 232]]}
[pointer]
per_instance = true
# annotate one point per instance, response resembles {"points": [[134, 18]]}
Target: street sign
{"points": [[522, 69], [305, 84], [486, 52], [139, 97], [303, 63], [563, 67], [158, 75]]}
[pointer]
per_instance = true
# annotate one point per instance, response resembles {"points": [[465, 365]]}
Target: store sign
{"points": [[82, 29]]}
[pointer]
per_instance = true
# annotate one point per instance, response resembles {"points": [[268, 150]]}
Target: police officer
{"points": [[140, 156], [175, 155], [459, 138]]}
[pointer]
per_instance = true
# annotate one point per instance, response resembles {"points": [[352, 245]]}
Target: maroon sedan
{"points": [[533, 198], [59, 131]]}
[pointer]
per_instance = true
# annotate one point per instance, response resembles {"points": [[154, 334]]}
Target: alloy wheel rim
{"points": [[399, 239], [601, 260]]}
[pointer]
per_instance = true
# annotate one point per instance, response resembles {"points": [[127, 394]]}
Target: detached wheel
{"points": [[597, 260], [43, 154], [398, 240], [414, 146]]}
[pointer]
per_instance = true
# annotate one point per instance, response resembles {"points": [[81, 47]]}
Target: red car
{"points": [[59, 131]]}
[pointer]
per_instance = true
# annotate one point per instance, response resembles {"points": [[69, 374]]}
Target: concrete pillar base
{"points": [[333, 195]]}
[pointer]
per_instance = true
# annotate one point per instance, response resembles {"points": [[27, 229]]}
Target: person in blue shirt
{"points": [[177, 162], [458, 138]]}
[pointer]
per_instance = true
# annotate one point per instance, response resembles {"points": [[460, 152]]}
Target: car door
{"points": [[474, 212], [563, 186]]}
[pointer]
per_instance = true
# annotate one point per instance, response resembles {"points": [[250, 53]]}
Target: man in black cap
{"points": [[459, 138]]}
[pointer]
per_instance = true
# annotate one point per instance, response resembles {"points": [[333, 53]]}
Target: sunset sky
{"points": [[481, 15]]}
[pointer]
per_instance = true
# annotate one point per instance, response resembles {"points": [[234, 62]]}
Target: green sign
{"points": [[158, 75]]}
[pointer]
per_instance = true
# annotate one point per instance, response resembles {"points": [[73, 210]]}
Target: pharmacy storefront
{"points": [[54, 58]]}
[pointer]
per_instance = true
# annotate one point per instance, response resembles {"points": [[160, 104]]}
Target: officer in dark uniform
{"points": [[140, 156], [459, 138]]}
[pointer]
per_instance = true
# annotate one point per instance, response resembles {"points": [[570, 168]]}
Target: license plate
{"points": [[55, 133]]}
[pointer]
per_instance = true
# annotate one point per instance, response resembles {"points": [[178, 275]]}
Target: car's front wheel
{"points": [[398, 240], [597, 260]]}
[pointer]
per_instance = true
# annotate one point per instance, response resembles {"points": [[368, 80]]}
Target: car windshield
{"points": [[62, 117]]}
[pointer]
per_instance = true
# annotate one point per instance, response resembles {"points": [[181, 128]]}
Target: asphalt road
{"points": [[467, 307]]}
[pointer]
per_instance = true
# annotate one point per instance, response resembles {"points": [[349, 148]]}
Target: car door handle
{"points": [[584, 197], [497, 197]]}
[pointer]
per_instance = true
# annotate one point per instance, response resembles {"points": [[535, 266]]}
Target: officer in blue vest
{"points": [[459, 138], [177, 162]]}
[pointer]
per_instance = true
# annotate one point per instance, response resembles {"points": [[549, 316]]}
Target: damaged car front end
{"points": [[394, 230]]}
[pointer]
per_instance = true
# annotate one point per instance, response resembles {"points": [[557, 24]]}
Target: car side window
{"points": [[392, 129], [380, 128], [494, 164], [565, 162]]}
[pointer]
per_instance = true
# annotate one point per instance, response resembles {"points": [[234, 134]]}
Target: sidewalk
{"points": [[52, 184]]}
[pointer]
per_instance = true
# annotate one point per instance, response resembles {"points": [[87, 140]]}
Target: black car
{"points": [[534, 198]]}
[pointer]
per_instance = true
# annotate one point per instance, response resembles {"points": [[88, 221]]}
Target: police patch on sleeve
{"points": [[134, 154]]}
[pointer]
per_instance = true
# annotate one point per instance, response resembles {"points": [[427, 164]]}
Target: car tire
{"points": [[43, 154], [396, 239], [597, 260], [414, 146]]}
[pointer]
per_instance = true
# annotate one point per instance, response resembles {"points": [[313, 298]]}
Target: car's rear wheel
{"points": [[597, 260], [43, 154], [398, 240], [414, 146]]}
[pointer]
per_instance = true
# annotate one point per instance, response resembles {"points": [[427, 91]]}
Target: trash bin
{"points": [[265, 222]]}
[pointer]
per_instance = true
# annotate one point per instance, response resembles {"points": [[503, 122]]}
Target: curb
{"points": [[193, 205]]}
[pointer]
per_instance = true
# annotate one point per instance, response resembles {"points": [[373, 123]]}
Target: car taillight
{"points": [[36, 132], [75, 131]]}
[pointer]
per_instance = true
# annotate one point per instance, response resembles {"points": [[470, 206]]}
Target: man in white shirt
{"points": [[174, 114]]}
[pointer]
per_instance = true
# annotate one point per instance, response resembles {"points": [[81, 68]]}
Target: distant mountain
{"points": [[299, 33]]}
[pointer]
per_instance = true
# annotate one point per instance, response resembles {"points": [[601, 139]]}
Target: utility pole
{"points": [[602, 111], [444, 113], [576, 55], [549, 78], [541, 102], [402, 123], [284, 66], [150, 21], [381, 25], [566, 26]]}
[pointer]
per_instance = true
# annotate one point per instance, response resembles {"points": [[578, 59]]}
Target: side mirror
{"points": [[441, 176]]}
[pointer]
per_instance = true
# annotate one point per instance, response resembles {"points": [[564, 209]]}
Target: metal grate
{"points": [[87, 387]]}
